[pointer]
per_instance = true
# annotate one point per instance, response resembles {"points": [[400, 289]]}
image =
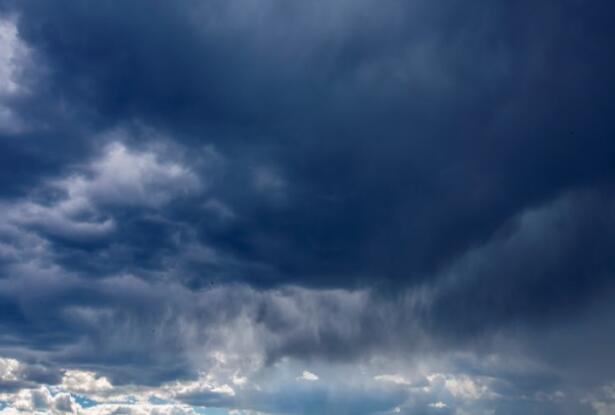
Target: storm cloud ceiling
{"points": [[307, 207]]}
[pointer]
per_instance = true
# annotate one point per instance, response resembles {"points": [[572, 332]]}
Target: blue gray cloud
{"points": [[343, 207]]}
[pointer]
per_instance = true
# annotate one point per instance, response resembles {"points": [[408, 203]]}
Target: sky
{"points": [[324, 207]]}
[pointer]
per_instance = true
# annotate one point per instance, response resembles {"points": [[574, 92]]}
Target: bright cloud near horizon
{"points": [[307, 208]]}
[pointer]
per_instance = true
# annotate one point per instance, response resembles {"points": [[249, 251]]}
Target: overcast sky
{"points": [[315, 207]]}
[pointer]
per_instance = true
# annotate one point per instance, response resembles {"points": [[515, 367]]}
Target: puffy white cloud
{"points": [[9, 369], [206, 384], [64, 404], [463, 386], [110, 399], [127, 177], [119, 178], [603, 400], [78, 381], [308, 376], [138, 409], [41, 401]]}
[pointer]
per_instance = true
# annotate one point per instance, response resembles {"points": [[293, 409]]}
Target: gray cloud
{"points": [[203, 200]]}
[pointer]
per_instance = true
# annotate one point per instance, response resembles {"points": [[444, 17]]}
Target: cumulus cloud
{"points": [[125, 177], [77, 381], [119, 178], [308, 376]]}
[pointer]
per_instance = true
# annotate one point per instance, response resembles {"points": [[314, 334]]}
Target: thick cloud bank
{"points": [[319, 207]]}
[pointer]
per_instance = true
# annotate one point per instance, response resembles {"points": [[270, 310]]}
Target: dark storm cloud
{"points": [[384, 168], [166, 167], [405, 133], [550, 261]]}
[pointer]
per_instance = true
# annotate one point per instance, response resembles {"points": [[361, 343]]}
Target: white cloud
{"points": [[59, 399], [78, 381], [240, 380], [308, 376], [9, 369], [394, 378], [59, 405], [138, 409], [603, 401], [206, 384], [41, 401], [126, 177], [463, 386], [121, 177]]}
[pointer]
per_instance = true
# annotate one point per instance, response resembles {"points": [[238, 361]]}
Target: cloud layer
{"points": [[332, 207]]}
